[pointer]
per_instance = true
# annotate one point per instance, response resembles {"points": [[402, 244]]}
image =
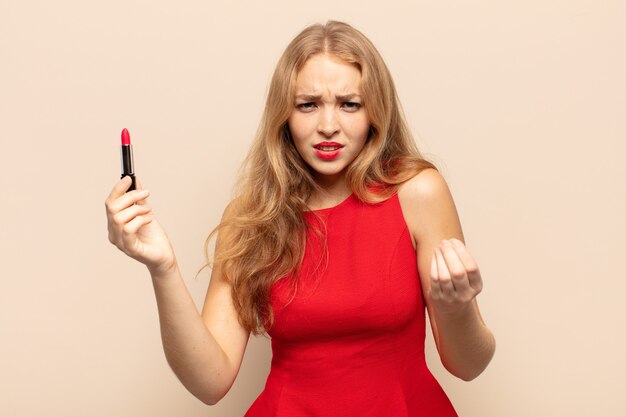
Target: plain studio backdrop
{"points": [[521, 104]]}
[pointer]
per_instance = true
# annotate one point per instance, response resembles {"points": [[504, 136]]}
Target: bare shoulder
{"points": [[427, 205], [427, 184]]}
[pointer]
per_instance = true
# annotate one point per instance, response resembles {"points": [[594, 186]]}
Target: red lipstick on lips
{"points": [[128, 168], [328, 150]]}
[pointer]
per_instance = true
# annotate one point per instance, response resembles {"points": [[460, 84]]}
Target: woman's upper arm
{"points": [[431, 216], [220, 316]]}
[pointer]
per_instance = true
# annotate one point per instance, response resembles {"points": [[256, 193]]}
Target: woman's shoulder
{"points": [[426, 186], [426, 201]]}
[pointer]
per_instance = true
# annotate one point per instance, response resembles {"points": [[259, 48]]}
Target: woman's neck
{"points": [[329, 194]]}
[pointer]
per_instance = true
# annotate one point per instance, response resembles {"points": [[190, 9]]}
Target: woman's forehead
{"points": [[327, 74]]}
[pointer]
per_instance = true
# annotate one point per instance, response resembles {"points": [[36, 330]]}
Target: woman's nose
{"points": [[328, 123]]}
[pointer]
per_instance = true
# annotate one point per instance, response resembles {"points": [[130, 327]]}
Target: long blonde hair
{"points": [[265, 229]]}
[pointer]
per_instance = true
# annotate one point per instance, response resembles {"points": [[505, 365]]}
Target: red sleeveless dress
{"points": [[349, 342]]}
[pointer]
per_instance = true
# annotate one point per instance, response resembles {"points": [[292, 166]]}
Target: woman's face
{"points": [[329, 124]]}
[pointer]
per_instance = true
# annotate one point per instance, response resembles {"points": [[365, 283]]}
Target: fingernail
{"points": [[144, 192], [446, 242], [457, 242]]}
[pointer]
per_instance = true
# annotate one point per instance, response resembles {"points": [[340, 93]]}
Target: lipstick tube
{"points": [[126, 154]]}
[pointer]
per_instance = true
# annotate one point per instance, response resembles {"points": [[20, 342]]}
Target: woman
{"points": [[340, 237]]}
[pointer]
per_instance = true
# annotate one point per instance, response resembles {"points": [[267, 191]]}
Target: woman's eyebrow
{"points": [[309, 97], [347, 97], [316, 97]]}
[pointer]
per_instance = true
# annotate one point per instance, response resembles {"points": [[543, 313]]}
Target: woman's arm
{"points": [[205, 352], [449, 276]]}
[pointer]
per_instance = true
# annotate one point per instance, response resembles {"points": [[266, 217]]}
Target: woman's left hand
{"points": [[454, 278]]}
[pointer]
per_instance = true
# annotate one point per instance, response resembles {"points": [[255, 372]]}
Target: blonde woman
{"points": [[339, 240]]}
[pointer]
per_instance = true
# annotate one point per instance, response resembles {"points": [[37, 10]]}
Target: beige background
{"points": [[522, 104]]}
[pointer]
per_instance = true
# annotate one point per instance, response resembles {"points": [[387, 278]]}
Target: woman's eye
{"points": [[351, 105], [305, 106]]}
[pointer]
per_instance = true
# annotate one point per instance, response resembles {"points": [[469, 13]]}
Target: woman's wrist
{"points": [[164, 271], [462, 314], [461, 324]]}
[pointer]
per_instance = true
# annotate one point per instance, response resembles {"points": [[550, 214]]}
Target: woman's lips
{"points": [[328, 150]]}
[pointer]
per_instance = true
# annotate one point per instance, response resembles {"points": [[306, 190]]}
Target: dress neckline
{"points": [[325, 209]]}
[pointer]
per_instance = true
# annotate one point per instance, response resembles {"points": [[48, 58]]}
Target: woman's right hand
{"points": [[134, 229]]}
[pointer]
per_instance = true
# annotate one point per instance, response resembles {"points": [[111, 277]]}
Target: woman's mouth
{"points": [[328, 150]]}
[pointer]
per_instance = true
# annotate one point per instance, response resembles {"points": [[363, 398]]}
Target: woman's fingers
{"points": [[126, 215], [140, 188], [127, 211], [119, 198], [435, 288], [130, 228], [129, 237], [127, 200], [456, 268], [471, 267], [134, 229], [119, 189], [455, 279], [445, 282]]}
